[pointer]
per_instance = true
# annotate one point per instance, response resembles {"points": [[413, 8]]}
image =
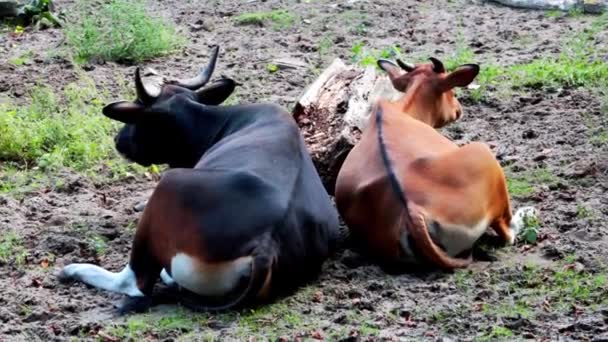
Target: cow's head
{"points": [[428, 89], [159, 127]]}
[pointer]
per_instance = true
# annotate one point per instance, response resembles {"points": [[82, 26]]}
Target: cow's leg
{"points": [[135, 280], [124, 282]]}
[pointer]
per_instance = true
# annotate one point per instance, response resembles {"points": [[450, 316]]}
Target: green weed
{"points": [[22, 59], [522, 184], [11, 249], [364, 56], [280, 19], [123, 31], [496, 333]]}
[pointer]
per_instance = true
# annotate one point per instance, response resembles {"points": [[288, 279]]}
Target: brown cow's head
{"points": [[162, 128], [428, 89]]}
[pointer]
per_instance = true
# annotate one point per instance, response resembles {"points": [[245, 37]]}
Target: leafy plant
{"points": [[529, 233], [121, 31], [366, 57]]}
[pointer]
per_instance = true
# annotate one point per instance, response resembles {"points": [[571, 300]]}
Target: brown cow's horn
{"points": [[437, 65], [204, 75], [406, 66], [142, 93]]}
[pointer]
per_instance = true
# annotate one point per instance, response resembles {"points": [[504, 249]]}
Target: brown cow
{"points": [[409, 194]]}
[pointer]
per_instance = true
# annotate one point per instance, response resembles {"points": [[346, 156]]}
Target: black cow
{"points": [[242, 212]]}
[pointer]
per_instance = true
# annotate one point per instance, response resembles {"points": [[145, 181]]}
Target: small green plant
{"points": [[365, 57], [529, 233], [22, 59], [11, 249], [497, 333], [123, 31], [325, 45], [582, 211], [272, 68], [98, 244], [280, 19]]}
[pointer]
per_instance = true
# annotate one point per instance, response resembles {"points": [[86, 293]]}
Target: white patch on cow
{"points": [[123, 282], [518, 221], [457, 238], [166, 278], [209, 279]]}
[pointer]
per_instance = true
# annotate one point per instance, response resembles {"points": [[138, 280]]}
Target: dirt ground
{"points": [[352, 299]]}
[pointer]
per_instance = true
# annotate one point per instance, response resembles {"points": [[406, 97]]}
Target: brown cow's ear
{"points": [[394, 73], [216, 93], [123, 111], [461, 77]]}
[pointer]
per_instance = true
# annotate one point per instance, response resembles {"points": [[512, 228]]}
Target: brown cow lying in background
{"points": [[409, 194]]}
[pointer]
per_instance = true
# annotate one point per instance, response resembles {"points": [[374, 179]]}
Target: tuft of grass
{"points": [[519, 187], [280, 19], [57, 129], [497, 333], [583, 211], [11, 249], [529, 233], [579, 64], [122, 31], [364, 56], [356, 21], [143, 327], [325, 45], [522, 184]]}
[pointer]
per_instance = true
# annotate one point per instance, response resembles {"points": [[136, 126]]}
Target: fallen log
{"points": [[334, 110]]}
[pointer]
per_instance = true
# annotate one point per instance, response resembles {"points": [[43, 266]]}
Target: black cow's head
{"points": [[158, 128]]}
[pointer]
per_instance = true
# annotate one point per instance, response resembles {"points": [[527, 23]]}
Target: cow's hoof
{"points": [[139, 207]]}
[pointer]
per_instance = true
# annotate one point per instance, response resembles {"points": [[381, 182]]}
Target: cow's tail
{"points": [[416, 225]]}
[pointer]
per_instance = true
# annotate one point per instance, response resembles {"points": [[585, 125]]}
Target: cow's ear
{"points": [[461, 77], [124, 111], [216, 93]]}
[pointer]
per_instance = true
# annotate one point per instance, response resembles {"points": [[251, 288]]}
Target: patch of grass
{"points": [[280, 19], [583, 211], [496, 333], [22, 59], [325, 45], [57, 129], [600, 138], [522, 184], [122, 31], [11, 249], [579, 64], [356, 21], [519, 187], [98, 244], [364, 56], [141, 327]]}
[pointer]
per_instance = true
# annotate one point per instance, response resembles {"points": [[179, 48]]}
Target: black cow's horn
{"points": [[142, 93], [437, 65], [406, 66], [204, 75]]}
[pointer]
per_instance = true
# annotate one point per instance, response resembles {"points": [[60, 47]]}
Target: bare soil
{"points": [[352, 298]]}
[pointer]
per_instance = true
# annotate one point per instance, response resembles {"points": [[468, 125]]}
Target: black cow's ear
{"points": [[124, 111], [216, 93]]}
